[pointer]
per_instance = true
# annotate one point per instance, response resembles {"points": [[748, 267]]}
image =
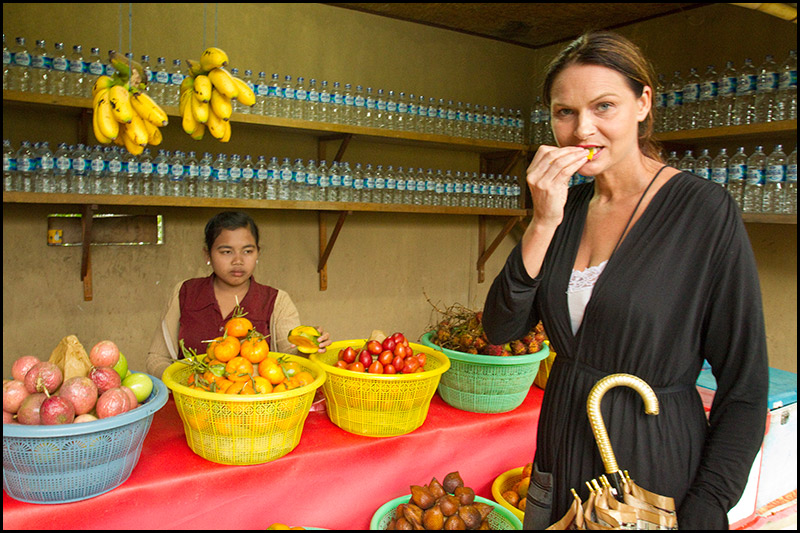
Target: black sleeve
{"points": [[509, 311], [735, 346]]}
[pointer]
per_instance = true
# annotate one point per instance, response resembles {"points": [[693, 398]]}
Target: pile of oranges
{"points": [[239, 362]]}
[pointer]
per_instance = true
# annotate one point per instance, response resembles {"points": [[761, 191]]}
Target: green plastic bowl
{"points": [[499, 519], [487, 383]]}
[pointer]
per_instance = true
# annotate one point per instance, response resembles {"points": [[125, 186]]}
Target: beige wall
{"points": [[383, 265]]}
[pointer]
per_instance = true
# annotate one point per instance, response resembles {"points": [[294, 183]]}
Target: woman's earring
{"points": [[208, 263]]}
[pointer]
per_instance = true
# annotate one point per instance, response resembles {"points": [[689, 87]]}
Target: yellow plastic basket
{"points": [[246, 429], [504, 482], [379, 405]]}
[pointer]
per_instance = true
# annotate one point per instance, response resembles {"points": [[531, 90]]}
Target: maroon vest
{"points": [[202, 320]]}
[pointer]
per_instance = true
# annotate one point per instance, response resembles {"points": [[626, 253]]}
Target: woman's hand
{"points": [[548, 178], [324, 339]]}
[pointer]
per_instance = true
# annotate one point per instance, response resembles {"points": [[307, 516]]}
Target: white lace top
{"points": [[581, 284]]}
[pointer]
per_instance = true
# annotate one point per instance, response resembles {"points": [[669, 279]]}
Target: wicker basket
{"points": [[487, 383], [499, 519], [504, 482], [379, 405], [73, 462], [242, 429]]}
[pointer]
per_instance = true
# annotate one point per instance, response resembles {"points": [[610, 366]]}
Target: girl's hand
{"points": [[548, 179], [324, 339]]}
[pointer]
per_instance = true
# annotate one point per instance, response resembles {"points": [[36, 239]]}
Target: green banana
{"points": [[129, 70]]}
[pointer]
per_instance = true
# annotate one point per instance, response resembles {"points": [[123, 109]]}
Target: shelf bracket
{"points": [[486, 253], [326, 245], [344, 137], [87, 214]]}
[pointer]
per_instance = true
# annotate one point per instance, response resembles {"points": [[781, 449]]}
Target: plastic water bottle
{"points": [[346, 193], [390, 192], [324, 102], [76, 72], [285, 180], [113, 180], [334, 182], [688, 161], [786, 99], [41, 63], [191, 174], [380, 185], [9, 167], [146, 173], [94, 69], [369, 184], [273, 178], [754, 183], [286, 101], [300, 187], [172, 91], [766, 89], [177, 185], [79, 170], [97, 170], [674, 102], [379, 113], [709, 92], [702, 166], [534, 134], [691, 98], [775, 182], [320, 194], [790, 200], [6, 63], [147, 69], [300, 104], [719, 168], [673, 160], [401, 122], [261, 89], [726, 99], [737, 173], [272, 103], [57, 80], [44, 181], [358, 184], [746, 85], [129, 174], [368, 113], [335, 106], [412, 113], [260, 178], [348, 112], [391, 110], [20, 71], [161, 79], [220, 176], [205, 176], [234, 189], [312, 101]]}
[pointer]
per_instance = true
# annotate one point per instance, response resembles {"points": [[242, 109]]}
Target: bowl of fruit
{"points": [[73, 427], [381, 386], [510, 489], [485, 378]]}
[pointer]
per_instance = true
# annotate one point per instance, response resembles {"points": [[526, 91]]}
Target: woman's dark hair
{"points": [[230, 220], [608, 49]]}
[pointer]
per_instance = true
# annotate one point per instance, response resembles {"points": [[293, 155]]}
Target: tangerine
{"points": [[239, 369], [238, 326]]}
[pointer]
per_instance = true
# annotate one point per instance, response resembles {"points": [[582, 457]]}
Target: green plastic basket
{"points": [[487, 383], [499, 519]]}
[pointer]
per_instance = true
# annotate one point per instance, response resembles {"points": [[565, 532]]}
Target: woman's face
{"points": [[594, 107], [233, 256]]}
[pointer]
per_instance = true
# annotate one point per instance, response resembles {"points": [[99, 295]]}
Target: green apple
{"points": [[121, 367], [141, 385]]}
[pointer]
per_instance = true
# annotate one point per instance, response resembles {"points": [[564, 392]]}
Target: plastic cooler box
{"points": [[774, 471]]}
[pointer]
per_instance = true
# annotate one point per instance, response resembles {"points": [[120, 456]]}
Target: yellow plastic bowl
{"points": [[242, 429], [379, 405], [504, 482]]}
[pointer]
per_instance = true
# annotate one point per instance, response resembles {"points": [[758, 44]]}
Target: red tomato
{"points": [[398, 363], [386, 357], [400, 350], [389, 369], [374, 347], [410, 365], [340, 364], [388, 344], [422, 358], [399, 338], [365, 358], [356, 367], [376, 368], [348, 355]]}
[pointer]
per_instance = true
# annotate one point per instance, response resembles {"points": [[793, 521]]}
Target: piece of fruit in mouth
{"points": [[592, 151]]}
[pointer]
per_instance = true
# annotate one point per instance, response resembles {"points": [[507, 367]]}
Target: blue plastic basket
{"points": [[73, 462]]}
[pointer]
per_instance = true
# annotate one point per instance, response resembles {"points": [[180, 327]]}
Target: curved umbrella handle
{"points": [[596, 418]]}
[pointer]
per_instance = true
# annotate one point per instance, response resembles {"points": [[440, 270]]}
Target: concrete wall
{"points": [[384, 267]]}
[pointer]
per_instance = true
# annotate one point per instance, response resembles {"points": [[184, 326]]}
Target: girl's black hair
{"points": [[230, 220]]}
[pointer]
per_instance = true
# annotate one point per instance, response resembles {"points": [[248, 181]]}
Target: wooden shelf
{"points": [[765, 130]]}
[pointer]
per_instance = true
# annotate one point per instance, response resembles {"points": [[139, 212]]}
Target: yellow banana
{"points": [[226, 135], [187, 84], [148, 109], [99, 135], [199, 132], [213, 58], [200, 110], [202, 88], [97, 96], [119, 141], [195, 68], [186, 100], [120, 101], [215, 125], [221, 105], [130, 145], [154, 136], [102, 82], [245, 95], [136, 132], [108, 125], [223, 82], [189, 122]]}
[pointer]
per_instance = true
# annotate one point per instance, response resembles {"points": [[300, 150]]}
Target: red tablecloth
{"points": [[332, 479]]}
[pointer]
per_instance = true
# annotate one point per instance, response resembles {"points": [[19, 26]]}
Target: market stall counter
{"points": [[333, 479]]}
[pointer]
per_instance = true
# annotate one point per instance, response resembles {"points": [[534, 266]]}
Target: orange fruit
{"points": [[272, 371], [238, 326], [240, 387], [305, 378], [239, 368], [262, 385], [255, 349]]}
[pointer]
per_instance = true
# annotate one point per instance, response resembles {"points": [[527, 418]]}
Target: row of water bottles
{"points": [[759, 183], [111, 170], [736, 96], [59, 73]]}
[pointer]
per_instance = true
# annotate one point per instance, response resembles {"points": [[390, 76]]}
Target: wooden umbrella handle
{"points": [[596, 418]]}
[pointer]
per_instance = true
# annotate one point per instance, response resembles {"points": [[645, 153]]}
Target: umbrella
{"points": [[616, 501]]}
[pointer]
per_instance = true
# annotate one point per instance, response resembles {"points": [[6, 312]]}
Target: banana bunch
{"points": [[123, 113], [207, 95]]}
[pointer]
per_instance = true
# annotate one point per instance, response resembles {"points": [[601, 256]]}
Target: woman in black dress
{"points": [[646, 271]]}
